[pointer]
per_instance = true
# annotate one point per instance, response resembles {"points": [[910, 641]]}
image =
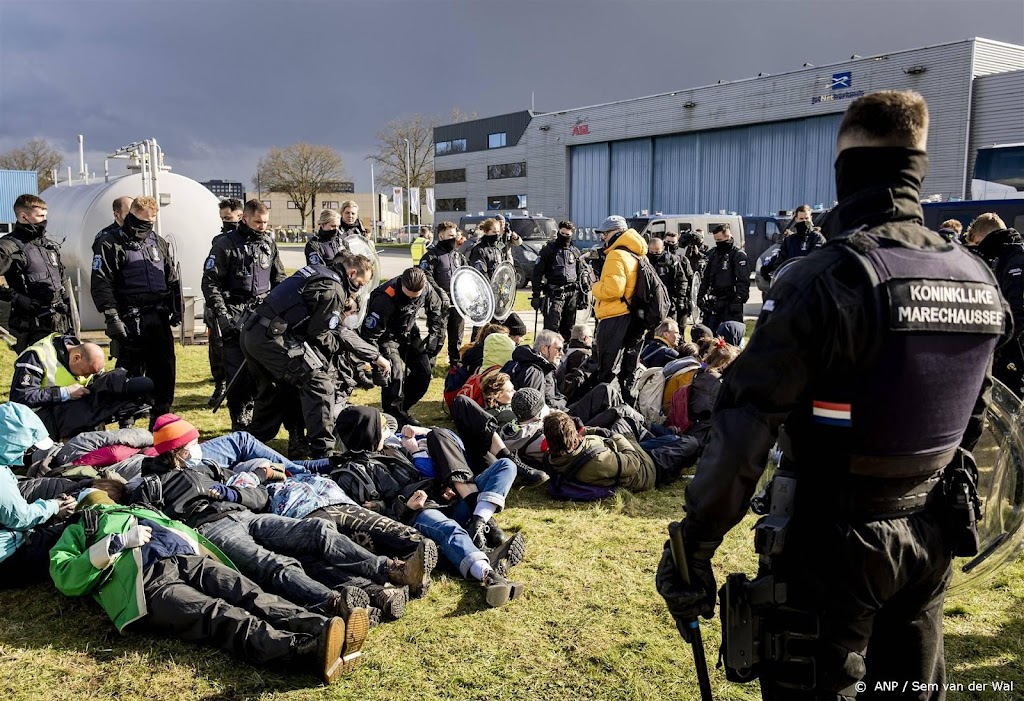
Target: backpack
{"points": [[649, 392], [563, 486], [679, 410], [678, 373], [454, 381], [651, 300], [472, 388]]}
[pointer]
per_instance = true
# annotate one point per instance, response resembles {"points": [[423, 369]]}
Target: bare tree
{"points": [[302, 170], [391, 154], [37, 155]]}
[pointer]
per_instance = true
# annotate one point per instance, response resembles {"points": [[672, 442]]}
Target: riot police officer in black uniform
{"points": [[439, 262], [35, 280], [120, 207], [289, 342], [135, 285], [725, 287], [326, 244], [692, 260], [242, 268], [1003, 250], [230, 211], [799, 241], [670, 269], [562, 277], [488, 253], [851, 365], [390, 324]]}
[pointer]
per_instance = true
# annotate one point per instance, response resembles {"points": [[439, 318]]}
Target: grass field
{"points": [[591, 625]]}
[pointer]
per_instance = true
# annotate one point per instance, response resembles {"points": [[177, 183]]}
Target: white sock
{"points": [[479, 568], [484, 509]]}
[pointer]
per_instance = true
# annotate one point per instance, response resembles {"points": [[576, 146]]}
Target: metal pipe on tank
{"points": [[53, 174], [106, 170], [82, 173], [85, 170], [154, 161], [69, 176]]}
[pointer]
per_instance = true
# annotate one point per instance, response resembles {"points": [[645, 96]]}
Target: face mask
{"points": [[670, 247], [448, 245], [354, 285], [802, 227], [565, 240], [723, 245], [140, 229], [228, 226], [351, 321], [37, 229], [195, 453]]}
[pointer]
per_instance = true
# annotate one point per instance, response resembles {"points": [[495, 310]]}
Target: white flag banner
{"points": [[414, 201], [396, 199], [430, 199]]}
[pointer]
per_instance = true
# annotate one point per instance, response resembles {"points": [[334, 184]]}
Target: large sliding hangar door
{"points": [[755, 169]]}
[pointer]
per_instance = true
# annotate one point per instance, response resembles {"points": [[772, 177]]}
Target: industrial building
{"points": [[751, 146], [225, 188]]}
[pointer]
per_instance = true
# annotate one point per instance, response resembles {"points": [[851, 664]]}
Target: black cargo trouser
{"points": [[215, 348], [149, 352], [476, 426], [30, 563], [375, 532], [456, 327], [617, 350], [199, 599], [28, 330], [560, 312], [243, 392], [409, 380], [878, 588]]}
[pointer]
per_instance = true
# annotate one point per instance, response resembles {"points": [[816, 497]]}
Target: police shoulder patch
{"points": [[371, 320], [335, 320], [314, 259], [210, 262], [97, 262]]}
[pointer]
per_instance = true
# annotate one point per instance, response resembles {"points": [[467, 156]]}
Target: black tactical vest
{"points": [[285, 301], [939, 316], [721, 269], [326, 248], [446, 263], [250, 273], [143, 269], [663, 266], [564, 266]]}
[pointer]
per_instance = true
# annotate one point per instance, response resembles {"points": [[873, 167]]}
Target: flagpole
{"points": [[408, 206], [373, 202]]}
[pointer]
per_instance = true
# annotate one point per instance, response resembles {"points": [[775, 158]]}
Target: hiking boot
{"points": [[357, 625], [508, 554], [411, 572], [429, 563], [219, 391], [344, 600], [328, 650], [389, 599], [374, 616], [530, 477], [126, 418], [499, 590], [495, 536], [477, 529], [298, 448]]}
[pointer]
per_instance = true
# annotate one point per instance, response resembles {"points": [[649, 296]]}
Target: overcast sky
{"points": [[217, 82]]}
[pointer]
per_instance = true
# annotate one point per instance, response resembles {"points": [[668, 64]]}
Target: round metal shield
{"points": [[584, 315], [696, 315], [504, 284], [472, 296], [359, 245]]}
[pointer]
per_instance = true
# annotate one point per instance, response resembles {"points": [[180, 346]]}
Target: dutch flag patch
{"points": [[832, 414]]}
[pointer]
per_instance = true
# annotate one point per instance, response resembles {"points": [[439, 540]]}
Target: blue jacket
{"points": [[20, 429]]}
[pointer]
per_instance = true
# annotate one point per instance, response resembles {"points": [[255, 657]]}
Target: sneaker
{"points": [[507, 555], [219, 391], [411, 572], [499, 590], [391, 600], [477, 529]]}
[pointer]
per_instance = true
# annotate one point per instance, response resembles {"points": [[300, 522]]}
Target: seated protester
{"points": [[525, 436], [483, 443], [306, 561], [598, 456], [661, 349], [689, 350], [575, 354], [62, 380], [604, 407], [27, 530], [732, 332], [516, 328], [706, 384], [535, 367], [497, 392], [699, 332], [153, 574], [473, 357]]}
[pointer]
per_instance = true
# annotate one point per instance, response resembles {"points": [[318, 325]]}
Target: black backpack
{"points": [[651, 300]]}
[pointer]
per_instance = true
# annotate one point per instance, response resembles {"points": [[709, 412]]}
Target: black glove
{"points": [[175, 319], [536, 303], [228, 330], [116, 329], [433, 345], [686, 602], [24, 304]]}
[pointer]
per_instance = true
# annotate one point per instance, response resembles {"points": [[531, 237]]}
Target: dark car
{"points": [[534, 231]]}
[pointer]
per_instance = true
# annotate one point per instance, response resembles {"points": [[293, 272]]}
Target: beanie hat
{"points": [[171, 432], [91, 497], [699, 331], [527, 403], [515, 325]]}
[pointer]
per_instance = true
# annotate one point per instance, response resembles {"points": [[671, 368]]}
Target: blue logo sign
{"points": [[842, 81]]}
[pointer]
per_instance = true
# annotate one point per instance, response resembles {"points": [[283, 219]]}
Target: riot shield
{"points": [[587, 312], [696, 313], [76, 318], [359, 245], [503, 283], [472, 296]]}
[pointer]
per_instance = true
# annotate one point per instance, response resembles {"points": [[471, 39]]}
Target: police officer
{"points": [[799, 241], [439, 262], [242, 268], [390, 324], [10, 252], [692, 259], [488, 253], [120, 207], [289, 342], [35, 280], [725, 287], [326, 244], [675, 278], [230, 211], [135, 286], [850, 362], [563, 278], [420, 244], [1003, 250]]}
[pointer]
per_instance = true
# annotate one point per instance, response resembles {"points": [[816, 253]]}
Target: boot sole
{"points": [[539, 483], [352, 598], [500, 594], [508, 554], [332, 665], [356, 628], [395, 603]]}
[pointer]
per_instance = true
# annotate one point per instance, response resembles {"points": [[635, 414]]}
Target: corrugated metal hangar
{"points": [[751, 146]]}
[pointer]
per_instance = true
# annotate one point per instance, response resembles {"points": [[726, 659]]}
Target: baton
{"points": [[675, 539], [234, 381]]}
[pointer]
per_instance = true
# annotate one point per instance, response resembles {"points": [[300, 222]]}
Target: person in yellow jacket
{"points": [[420, 243], [618, 337]]}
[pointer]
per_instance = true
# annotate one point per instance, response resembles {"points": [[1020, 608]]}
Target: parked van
{"points": [[656, 225]]}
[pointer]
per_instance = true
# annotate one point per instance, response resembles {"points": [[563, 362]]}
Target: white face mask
{"points": [[351, 321], [195, 453]]}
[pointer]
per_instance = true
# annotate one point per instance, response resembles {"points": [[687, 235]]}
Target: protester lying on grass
{"points": [[484, 444], [153, 574]]}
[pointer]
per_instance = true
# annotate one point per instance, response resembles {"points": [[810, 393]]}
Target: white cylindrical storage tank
{"points": [[188, 220]]}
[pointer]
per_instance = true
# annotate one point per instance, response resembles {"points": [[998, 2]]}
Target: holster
{"points": [[303, 361], [961, 504]]}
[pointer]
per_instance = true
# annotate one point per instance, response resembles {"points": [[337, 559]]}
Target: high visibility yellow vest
{"points": [[54, 373], [419, 246]]}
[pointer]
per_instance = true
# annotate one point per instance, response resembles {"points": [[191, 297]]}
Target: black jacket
{"points": [[34, 276], [439, 266], [557, 267], [391, 316], [726, 277], [487, 255], [529, 369], [1003, 250], [243, 266], [109, 265]]}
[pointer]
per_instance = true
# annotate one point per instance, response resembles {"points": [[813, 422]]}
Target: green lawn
{"points": [[590, 627]]}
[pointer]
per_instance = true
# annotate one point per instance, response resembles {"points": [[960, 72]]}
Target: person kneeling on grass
{"points": [[153, 574]]}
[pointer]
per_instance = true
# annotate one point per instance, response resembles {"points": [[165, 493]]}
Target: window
{"points": [[292, 205], [496, 202], [496, 140], [457, 175], [331, 204], [454, 204], [685, 226], [443, 148], [266, 203], [771, 232], [506, 170]]}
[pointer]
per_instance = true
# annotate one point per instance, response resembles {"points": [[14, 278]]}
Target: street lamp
{"points": [[408, 200]]}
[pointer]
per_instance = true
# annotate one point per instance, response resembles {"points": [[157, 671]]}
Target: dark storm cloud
{"points": [[219, 82]]}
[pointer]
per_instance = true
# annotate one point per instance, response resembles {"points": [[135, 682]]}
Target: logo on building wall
{"points": [[842, 81], [841, 84], [580, 129]]}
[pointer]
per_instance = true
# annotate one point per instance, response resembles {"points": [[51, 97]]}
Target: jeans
{"points": [[274, 550], [494, 484], [451, 538], [240, 446], [659, 441]]}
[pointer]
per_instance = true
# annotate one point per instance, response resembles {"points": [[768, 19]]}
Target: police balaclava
{"points": [[725, 245], [447, 245], [671, 247], [870, 179], [247, 231], [32, 231], [802, 228], [563, 240], [228, 226], [136, 227]]}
